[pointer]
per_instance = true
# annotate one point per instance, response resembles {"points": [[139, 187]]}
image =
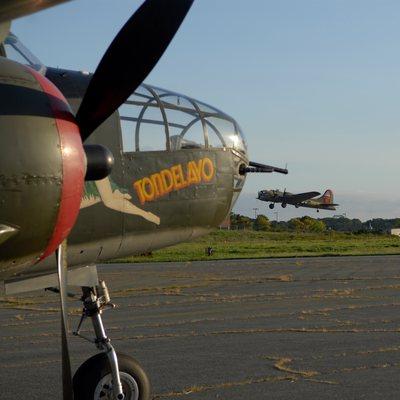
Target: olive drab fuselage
{"points": [[153, 198]]}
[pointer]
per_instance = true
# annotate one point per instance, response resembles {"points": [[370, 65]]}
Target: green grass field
{"points": [[252, 244]]}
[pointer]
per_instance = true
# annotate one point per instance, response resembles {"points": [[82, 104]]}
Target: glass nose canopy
{"points": [[157, 119]]}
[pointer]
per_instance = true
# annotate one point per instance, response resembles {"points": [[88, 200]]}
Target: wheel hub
{"points": [[104, 389]]}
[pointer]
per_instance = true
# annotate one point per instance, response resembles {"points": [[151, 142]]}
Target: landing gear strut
{"points": [[107, 375]]}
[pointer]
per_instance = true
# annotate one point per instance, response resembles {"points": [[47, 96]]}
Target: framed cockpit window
{"points": [[154, 119], [15, 50], [192, 136], [150, 130], [142, 124], [128, 136], [215, 136]]}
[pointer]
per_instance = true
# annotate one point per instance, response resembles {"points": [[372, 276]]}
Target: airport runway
{"points": [[306, 328]]}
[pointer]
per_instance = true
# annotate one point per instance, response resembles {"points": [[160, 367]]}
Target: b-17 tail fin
{"points": [[327, 198]]}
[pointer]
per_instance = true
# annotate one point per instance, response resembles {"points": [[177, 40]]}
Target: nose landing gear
{"points": [[106, 375], [271, 206]]}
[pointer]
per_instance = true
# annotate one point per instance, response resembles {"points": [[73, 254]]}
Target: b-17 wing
{"points": [[12, 9], [299, 198]]}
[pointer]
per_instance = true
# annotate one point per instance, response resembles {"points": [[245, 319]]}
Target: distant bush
{"points": [[262, 223], [308, 224]]}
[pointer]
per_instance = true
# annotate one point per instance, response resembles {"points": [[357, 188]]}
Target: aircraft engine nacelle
{"points": [[42, 167]]}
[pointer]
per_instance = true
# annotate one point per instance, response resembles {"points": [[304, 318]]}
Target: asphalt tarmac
{"points": [[304, 328]]}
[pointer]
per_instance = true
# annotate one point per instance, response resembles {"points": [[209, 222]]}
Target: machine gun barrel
{"points": [[257, 167]]}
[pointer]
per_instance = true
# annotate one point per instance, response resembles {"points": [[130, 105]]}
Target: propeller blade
{"points": [[61, 256], [131, 56]]}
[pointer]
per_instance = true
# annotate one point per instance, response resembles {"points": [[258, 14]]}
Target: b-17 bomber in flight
{"points": [[307, 199]]}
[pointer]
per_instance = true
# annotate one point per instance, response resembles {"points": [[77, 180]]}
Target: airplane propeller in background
{"points": [[130, 58]]}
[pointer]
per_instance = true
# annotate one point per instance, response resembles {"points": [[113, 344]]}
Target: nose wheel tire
{"points": [[93, 380], [283, 205], [271, 206]]}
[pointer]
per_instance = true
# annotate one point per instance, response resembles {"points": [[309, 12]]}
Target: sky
{"points": [[313, 84]]}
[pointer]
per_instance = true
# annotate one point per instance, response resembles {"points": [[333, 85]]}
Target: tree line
{"points": [[309, 224]]}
